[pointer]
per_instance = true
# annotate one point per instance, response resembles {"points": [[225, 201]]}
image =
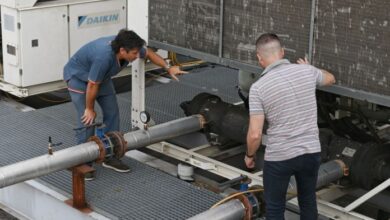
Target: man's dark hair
{"points": [[267, 38], [128, 40]]}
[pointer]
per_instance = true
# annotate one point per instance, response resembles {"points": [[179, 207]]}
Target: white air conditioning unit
{"points": [[38, 37]]}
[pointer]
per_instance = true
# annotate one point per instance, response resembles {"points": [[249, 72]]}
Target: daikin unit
{"points": [[38, 37]]}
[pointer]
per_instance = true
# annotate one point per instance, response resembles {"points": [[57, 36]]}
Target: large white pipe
{"points": [[83, 153], [165, 131], [231, 210], [45, 164]]}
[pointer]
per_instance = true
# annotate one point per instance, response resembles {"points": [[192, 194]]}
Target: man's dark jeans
{"points": [[276, 177]]}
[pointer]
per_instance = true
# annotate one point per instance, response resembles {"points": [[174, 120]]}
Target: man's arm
{"points": [[89, 113], [253, 138], [327, 79], [156, 59]]}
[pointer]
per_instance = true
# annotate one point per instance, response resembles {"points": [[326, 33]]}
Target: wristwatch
{"points": [[167, 66], [250, 156]]}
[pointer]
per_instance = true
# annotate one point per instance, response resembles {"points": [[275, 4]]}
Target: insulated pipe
{"points": [[165, 131], [330, 171], [83, 153], [327, 173], [45, 164], [232, 210]]}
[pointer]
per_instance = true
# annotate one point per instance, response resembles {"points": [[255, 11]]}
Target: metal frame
{"points": [[336, 212], [205, 56], [358, 94], [203, 162], [330, 210], [138, 91], [48, 202], [311, 32], [325, 207], [368, 195], [221, 14], [336, 89]]}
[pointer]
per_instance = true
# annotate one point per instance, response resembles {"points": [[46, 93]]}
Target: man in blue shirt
{"points": [[88, 75]]}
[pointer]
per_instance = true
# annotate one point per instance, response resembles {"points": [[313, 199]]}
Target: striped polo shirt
{"points": [[285, 94]]}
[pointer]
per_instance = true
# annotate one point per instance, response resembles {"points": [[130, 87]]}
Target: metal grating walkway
{"points": [[5, 108], [144, 193]]}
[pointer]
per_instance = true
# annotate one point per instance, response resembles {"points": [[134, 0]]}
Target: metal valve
{"points": [[51, 145]]}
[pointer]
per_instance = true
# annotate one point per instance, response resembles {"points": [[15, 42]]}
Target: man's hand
{"points": [[249, 162], [303, 61], [175, 70], [88, 117]]}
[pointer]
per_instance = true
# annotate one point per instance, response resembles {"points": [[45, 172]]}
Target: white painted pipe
{"points": [[45, 164], [231, 210], [87, 152]]}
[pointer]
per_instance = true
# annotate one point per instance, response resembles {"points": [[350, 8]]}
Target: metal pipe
{"points": [[165, 131], [231, 210], [83, 153], [311, 32], [327, 173], [234, 209], [45, 164], [220, 41]]}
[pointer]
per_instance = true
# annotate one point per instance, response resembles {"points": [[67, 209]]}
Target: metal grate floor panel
{"points": [[144, 193], [5, 109]]}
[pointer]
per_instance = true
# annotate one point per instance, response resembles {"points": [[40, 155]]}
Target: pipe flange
{"points": [[260, 210], [119, 143], [202, 121], [343, 167], [102, 151], [248, 207]]}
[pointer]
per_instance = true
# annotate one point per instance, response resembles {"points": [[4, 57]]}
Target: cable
{"points": [[234, 195], [173, 57], [240, 193]]}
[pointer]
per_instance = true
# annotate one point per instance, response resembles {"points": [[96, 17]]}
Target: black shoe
{"points": [[116, 165], [89, 176]]}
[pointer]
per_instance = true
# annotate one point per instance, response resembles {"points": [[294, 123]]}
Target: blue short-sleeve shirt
{"points": [[95, 61]]}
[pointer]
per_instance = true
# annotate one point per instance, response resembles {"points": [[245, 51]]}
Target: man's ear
{"points": [[282, 52], [122, 50], [258, 57]]}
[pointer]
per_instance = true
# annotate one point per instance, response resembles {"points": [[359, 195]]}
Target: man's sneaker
{"points": [[116, 165], [89, 176]]}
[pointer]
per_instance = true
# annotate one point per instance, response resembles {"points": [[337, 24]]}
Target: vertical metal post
{"points": [[312, 24], [137, 91], [78, 186], [220, 49], [138, 17]]}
